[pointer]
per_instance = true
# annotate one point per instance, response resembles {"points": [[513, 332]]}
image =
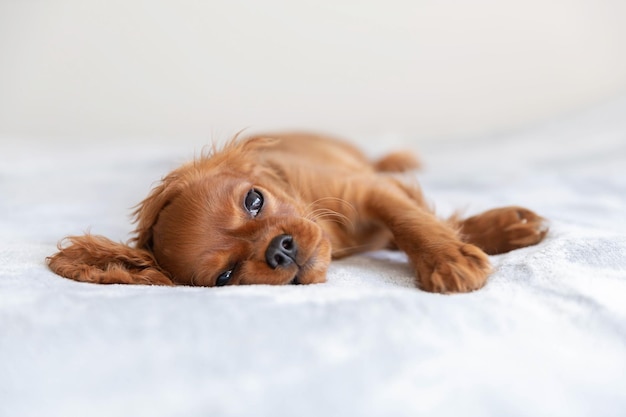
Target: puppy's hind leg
{"points": [[503, 229]]}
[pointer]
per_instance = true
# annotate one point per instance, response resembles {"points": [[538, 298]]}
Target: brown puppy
{"points": [[275, 209]]}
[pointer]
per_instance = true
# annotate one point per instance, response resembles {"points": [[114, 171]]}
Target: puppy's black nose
{"points": [[281, 252]]}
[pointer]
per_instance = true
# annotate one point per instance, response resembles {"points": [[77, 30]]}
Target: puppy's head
{"points": [[226, 219]]}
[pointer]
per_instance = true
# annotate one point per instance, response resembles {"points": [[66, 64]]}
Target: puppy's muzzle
{"points": [[281, 252]]}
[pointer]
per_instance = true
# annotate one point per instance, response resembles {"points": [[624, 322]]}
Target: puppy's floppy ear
{"points": [[147, 212], [99, 260]]}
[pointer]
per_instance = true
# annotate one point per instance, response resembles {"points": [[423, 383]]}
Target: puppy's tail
{"points": [[99, 260], [397, 162]]}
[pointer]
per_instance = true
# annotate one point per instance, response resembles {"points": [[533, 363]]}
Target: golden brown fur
{"points": [[275, 209]]}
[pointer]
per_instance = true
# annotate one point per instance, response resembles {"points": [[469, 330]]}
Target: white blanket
{"points": [[545, 337]]}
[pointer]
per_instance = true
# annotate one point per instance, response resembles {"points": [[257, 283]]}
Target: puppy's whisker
{"points": [[336, 199], [324, 208], [338, 218], [342, 218], [322, 211], [338, 221], [350, 249], [353, 213], [328, 214]]}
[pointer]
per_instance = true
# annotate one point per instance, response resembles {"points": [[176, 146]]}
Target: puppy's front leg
{"points": [[443, 262]]}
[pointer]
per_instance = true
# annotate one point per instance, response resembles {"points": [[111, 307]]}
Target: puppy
{"points": [[275, 209]]}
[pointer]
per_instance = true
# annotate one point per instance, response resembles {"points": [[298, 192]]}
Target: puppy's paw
{"points": [[504, 229], [458, 267], [522, 227]]}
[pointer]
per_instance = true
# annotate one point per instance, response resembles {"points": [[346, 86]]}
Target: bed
{"points": [[545, 337]]}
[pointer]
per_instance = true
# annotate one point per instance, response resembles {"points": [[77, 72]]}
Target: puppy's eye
{"points": [[224, 278], [253, 202]]}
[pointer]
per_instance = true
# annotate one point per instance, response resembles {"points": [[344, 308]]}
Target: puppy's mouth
{"points": [[296, 278], [302, 268]]}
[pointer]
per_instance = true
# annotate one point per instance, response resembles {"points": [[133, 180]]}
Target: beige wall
{"points": [[202, 68]]}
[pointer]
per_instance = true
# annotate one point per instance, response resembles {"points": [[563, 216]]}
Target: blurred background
{"points": [[95, 70]]}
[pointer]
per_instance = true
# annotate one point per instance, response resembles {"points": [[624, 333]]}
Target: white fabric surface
{"points": [[545, 337]]}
